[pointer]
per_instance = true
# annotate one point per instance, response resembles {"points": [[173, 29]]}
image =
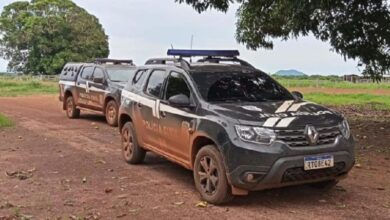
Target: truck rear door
{"points": [[83, 98]]}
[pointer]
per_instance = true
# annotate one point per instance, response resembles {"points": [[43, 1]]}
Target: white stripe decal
{"points": [[152, 104], [285, 122], [175, 111], [295, 107], [97, 89], [270, 122], [157, 109], [284, 106], [138, 98], [68, 83]]}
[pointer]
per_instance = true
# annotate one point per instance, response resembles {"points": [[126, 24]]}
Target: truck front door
{"points": [[176, 122]]}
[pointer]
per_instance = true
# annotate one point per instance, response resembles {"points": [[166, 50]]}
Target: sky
{"points": [[142, 29]]}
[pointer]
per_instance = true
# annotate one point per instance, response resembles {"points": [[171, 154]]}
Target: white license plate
{"points": [[318, 162]]}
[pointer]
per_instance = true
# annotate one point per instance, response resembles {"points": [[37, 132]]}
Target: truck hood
{"points": [[280, 114]]}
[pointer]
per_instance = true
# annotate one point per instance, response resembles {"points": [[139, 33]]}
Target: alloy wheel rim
{"points": [[127, 144], [111, 112], [208, 175]]}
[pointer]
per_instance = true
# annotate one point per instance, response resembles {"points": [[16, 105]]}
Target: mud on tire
{"points": [[131, 151], [210, 176], [111, 113], [70, 108]]}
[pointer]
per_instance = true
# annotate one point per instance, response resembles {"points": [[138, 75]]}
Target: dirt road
{"points": [[73, 169]]}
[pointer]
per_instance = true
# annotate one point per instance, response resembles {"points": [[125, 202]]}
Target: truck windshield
{"points": [[239, 86], [120, 73]]}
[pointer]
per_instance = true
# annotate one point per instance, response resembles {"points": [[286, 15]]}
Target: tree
{"points": [[40, 36], [354, 28]]}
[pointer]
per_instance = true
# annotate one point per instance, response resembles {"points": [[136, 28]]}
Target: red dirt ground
{"points": [[74, 170]]}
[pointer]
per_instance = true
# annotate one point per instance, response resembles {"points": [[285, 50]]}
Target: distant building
{"points": [[351, 78]]}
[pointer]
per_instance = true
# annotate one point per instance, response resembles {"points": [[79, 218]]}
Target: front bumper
{"points": [[279, 165]]}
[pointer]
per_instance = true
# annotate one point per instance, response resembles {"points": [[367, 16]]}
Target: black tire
{"points": [[111, 113], [131, 151], [70, 107], [325, 185], [210, 176]]}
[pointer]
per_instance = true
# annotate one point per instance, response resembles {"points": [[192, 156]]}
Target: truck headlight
{"points": [[255, 134], [344, 128]]}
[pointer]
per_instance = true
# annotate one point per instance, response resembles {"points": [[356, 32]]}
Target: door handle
{"points": [[163, 114], [139, 105]]}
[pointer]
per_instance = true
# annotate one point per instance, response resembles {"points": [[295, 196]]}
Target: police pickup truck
{"points": [[94, 86], [233, 125]]}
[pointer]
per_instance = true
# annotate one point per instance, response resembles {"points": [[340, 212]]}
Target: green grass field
{"points": [[21, 88], [291, 82], [374, 101], [5, 122]]}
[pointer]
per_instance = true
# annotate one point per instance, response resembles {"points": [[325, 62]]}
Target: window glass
{"points": [[176, 85], [239, 86], [139, 79], [87, 73], [98, 73], [155, 83], [120, 73]]}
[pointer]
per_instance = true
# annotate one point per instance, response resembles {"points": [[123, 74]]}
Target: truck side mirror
{"points": [[179, 100], [297, 94]]}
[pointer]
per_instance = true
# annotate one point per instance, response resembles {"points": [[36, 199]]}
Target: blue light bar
{"points": [[201, 53]]}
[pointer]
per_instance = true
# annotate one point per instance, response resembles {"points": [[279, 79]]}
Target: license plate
{"points": [[318, 162]]}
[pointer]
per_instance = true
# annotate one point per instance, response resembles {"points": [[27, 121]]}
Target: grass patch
{"points": [[331, 84], [20, 88], [5, 122], [381, 102]]}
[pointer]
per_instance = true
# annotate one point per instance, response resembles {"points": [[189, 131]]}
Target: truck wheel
{"points": [[131, 151], [70, 107], [210, 176], [325, 185], [111, 113]]}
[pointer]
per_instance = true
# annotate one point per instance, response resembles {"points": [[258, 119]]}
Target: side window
{"points": [[176, 85], [155, 83], [139, 79], [98, 73], [87, 73]]}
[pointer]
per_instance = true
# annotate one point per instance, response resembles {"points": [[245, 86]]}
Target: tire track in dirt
{"points": [[75, 149]]}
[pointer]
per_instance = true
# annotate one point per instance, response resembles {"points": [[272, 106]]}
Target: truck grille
{"points": [[297, 138], [299, 174]]}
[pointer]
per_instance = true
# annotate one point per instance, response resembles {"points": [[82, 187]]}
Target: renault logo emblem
{"points": [[311, 135]]}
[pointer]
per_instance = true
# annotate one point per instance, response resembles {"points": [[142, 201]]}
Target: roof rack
{"points": [[199, 53], [113, 61], [211, 56], [221, 60], [164, 61]]}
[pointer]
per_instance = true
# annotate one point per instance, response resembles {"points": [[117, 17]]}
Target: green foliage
{"points": [[19, 88], [355, 29], [5, 122], [41, 36]]}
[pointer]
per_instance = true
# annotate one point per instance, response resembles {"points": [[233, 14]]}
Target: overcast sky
{"points": [[140, 29]]}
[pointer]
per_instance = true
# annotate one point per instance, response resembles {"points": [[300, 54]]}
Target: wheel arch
{"points": [[67, 93], [123, 118], [197, 144]]}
